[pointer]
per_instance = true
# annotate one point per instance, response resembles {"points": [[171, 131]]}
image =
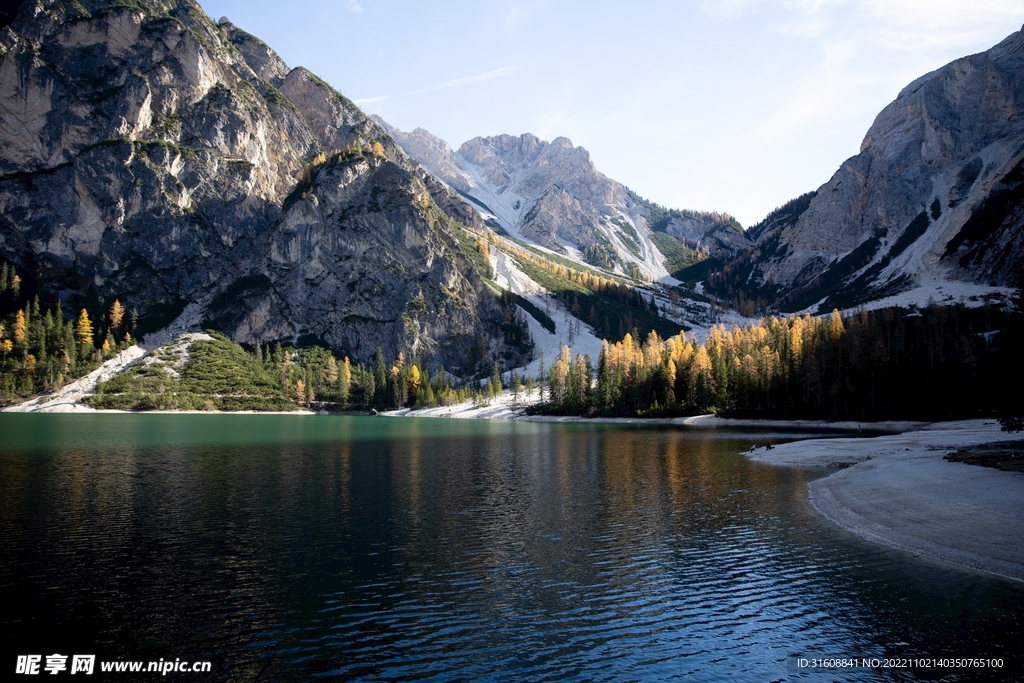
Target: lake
{"points": [[285, 548]]}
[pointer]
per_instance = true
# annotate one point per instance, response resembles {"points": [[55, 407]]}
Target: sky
{"points": [[715, 105]]}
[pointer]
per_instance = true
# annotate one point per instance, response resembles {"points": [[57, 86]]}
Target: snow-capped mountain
{"points": [[551, 194]]}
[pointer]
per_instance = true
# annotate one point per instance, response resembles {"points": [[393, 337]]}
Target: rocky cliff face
{"points": [[720, 233], [550, 193], [150, 154], [933, 196]]}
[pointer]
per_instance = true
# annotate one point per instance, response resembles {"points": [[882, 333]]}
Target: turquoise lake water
{"points": [[287, 548]]}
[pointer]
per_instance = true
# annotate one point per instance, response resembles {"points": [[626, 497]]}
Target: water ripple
{"points": [[535, 553]]}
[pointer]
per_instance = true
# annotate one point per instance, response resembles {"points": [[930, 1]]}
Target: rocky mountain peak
{"points": [[928, 199], [552, 194], [264, 62], [153, 155]]}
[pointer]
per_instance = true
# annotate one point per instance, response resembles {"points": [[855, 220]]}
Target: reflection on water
{"points": [[287, 548]]}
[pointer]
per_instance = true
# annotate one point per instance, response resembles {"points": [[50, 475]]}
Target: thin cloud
{"points": [[454, 83], [467, 80], [893, 24], [354, 6]]}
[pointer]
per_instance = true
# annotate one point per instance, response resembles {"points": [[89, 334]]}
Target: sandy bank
{"points": [[503, 407], [897, 490]]}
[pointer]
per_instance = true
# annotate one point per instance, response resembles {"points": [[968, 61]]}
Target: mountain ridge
{"points": [[551, 194], [908, 212], [154, 155]]}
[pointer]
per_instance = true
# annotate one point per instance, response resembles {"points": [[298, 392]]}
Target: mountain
{"points": [[551, 194], [931, 204], [153, 155]]}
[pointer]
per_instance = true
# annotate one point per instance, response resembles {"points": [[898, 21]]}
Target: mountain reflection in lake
{"points": [[291, 548]]}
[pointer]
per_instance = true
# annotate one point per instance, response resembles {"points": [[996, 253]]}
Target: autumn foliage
{"points": [[936, 363]]}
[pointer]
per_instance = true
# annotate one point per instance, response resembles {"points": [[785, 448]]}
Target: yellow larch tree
{"points": [[83, 328], [835, 325], [116, 315], [20, 329], [413, 382]]}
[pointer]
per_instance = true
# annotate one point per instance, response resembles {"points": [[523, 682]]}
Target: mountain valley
{"points": [[177, 165]]}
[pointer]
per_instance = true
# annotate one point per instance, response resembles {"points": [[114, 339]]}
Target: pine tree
{"points": [[540, 375], [68, 342], [380, 378], [394, 388], [496, 379], [426, 395]]}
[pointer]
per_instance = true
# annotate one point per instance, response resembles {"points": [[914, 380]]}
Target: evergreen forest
{"points": [[44, 347], [937, 363]]}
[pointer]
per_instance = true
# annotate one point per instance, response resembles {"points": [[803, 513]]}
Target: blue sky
{"points": [[720, 105]]}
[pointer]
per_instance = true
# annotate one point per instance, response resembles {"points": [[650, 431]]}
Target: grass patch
{"points": [[611, 313], [678, 256], [469, 246], [219, 375], [561, 260]]}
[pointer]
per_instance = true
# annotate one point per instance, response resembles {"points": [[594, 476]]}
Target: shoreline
{"points": [[709, 421], [502, 409], [897, 491], [894, 490], [81, 409]]}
